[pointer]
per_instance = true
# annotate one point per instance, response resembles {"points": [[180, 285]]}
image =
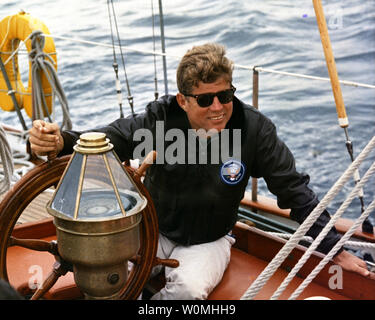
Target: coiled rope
{"points": [[14, 161], [267, 273], [6, 160], [42, 62]]}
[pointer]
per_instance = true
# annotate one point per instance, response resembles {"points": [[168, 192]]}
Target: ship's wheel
{"points": [[47, 175]]}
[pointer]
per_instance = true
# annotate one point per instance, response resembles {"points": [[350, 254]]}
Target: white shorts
{"points": [[201, 268]]}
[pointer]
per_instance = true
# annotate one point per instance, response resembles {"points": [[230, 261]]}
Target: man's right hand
{"points": [[45, 138]]}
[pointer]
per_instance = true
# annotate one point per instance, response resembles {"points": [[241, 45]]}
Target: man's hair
{"points": [[205, 63]]}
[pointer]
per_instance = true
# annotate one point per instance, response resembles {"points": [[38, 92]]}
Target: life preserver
{"points": [[13, 29]]}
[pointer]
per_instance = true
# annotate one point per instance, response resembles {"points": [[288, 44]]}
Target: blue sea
{"points": [[280, 35]]}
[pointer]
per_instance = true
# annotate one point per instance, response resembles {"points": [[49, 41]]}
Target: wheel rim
{"points": [[46, 175]]}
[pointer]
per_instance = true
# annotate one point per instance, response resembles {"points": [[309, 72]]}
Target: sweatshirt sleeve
{"points": [[121, 131], [276, 164]]}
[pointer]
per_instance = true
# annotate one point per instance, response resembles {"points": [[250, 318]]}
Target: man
{"points": [[197, 201]]}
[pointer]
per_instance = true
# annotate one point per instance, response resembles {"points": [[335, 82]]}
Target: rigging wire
{"points": [[153, 41], [6, 161], [11, 92], [115, 65], [130, 97], [162, 38], [239, 66], [366, 225]]}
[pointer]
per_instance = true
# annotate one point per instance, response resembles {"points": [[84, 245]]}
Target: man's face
{"points": [[214, 116]]}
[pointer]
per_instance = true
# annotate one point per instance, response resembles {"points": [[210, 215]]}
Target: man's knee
{"points": [[184, 289], [189, 290]]}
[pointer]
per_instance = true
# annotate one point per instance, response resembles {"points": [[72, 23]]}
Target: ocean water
{"points": [[280, 35]]}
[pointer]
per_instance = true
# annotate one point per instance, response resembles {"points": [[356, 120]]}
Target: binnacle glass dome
{"points": [[96, 186]]}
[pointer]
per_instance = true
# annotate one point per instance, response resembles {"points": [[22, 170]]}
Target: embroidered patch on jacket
{"points": [[232, 171]]}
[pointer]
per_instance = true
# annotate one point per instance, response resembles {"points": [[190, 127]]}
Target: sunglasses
{"points": [[204, 100]]}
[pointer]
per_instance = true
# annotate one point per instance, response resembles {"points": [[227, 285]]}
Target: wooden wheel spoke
{"points": [[57, 271], [35, 244], [40, 179], [135, 259], [171, 263]]}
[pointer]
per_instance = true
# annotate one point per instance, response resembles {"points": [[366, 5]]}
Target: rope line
{"points": [[6, 160], [14, 52], [130, 97], [115, 64], [42, 62], [351, 244], [251, 68], [324, 232], [25, 93], [156, 93], [9, 157], [331, 254], [271, 268], [6, 34]]}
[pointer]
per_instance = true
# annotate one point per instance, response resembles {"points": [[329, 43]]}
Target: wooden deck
{"points": [[36, 210]]}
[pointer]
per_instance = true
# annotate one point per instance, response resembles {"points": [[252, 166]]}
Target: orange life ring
{"points": [[13, 29]]}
